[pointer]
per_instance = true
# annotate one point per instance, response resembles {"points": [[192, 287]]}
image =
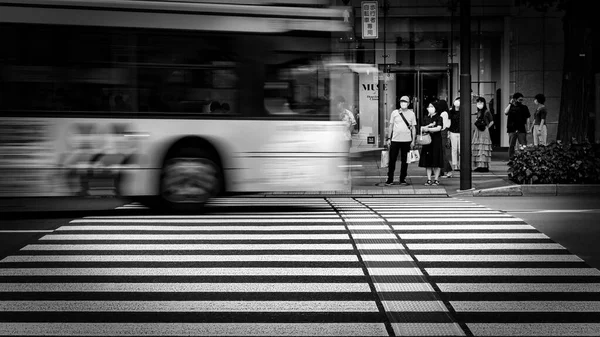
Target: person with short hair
{"points": [[517, 122], [539, 129], [401, 139]]}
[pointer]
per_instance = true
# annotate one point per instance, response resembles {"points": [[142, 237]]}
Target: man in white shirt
{"points": [[401, 137]]}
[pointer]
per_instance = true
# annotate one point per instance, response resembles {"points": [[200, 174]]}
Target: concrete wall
{"points": [[536, 54]]}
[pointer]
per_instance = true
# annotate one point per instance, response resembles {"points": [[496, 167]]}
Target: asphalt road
{"points": [[309, 266], [572, 221]]}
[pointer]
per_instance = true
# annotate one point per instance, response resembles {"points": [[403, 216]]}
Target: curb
{"points": [[541, 189]]}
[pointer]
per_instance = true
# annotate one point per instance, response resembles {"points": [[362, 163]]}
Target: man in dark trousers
{"points": [[401, 138], [517, 122]]}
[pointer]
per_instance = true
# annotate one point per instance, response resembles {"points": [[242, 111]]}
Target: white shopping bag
{"points": [[385, 158], [410, 158], [413, 156]]}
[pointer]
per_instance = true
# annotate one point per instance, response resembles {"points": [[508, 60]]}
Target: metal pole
{"points": [[465, 95]]}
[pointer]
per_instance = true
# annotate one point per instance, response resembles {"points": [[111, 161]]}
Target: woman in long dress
{"points": [[432, 156], [481, 144]]}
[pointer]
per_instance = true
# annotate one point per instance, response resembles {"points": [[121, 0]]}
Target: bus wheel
{"points": [[188, 182]]}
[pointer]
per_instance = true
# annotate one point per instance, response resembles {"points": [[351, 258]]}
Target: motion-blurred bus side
{"points": [[178, 100]]}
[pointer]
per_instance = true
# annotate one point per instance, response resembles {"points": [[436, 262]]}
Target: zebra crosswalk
{"points": [[334, 267]]}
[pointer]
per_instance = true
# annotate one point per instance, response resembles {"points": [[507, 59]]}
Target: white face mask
{"points": [[457, 104], [431, 110], [403, 105], [479, 105]]}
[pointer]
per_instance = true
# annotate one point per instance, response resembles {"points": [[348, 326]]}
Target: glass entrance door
{"points": [[423, 87]]}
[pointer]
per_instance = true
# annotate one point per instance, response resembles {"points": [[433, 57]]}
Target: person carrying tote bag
{"points": [[400, 140]]}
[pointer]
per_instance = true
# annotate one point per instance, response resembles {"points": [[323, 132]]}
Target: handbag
{"points": [[385, 158], [423, 139], [480, 124], [413, 156]]}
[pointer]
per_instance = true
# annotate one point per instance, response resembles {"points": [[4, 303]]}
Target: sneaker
{"points": [[388, 184], [404, 183], [448, 175], [427, 183]]}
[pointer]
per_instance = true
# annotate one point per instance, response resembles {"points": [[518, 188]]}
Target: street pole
{"points": [[465, 94]]}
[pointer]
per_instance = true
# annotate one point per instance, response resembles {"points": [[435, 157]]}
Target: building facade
{"points": [[415, 46]]}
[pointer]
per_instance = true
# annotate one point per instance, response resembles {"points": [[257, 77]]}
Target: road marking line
{"points": [[470, 236], [414, 306], [215, 246], [179, 258], [484, 246], [471, 226], [499, 258], [26, 231], [199, 221], [513, 271], [518, 287], [200, 228], [188, 306], [182, 272], [451, 219], [194, 329], [526, 306], [185, 287], [162, 237], [427, 329], [403, 287], [534, 329]]}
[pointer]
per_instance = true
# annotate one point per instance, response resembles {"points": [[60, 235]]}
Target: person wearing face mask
{"points": [[446, 171], [454, 133], [481, 143], [400, 138], [432, 156], [517, 122]]}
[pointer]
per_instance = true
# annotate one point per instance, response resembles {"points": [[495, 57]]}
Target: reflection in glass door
{"points": [[422, 87]]}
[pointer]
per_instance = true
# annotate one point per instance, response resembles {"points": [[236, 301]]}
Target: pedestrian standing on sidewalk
{"points": [[539, 130], [454, 133], [400, 138], [432, 156], [517, 122], [446, 171], [481, 143]]}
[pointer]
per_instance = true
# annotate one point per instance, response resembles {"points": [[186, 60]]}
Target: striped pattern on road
{"points": [[351, 267], [405, 294], [499, 275], [259, 274]]}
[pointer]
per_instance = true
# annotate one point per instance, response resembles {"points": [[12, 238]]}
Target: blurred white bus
{"points": [[176, 100]]}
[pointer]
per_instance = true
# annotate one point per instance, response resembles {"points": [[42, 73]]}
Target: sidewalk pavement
{"points": [[368, 178]]}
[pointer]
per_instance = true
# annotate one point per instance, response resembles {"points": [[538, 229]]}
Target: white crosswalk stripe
{"points": [[495, 271], [335, 267]]}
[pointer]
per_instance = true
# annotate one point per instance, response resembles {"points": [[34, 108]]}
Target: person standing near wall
{"points": [[539, 130], [517, 122], [454, 133], [401, 138]]}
